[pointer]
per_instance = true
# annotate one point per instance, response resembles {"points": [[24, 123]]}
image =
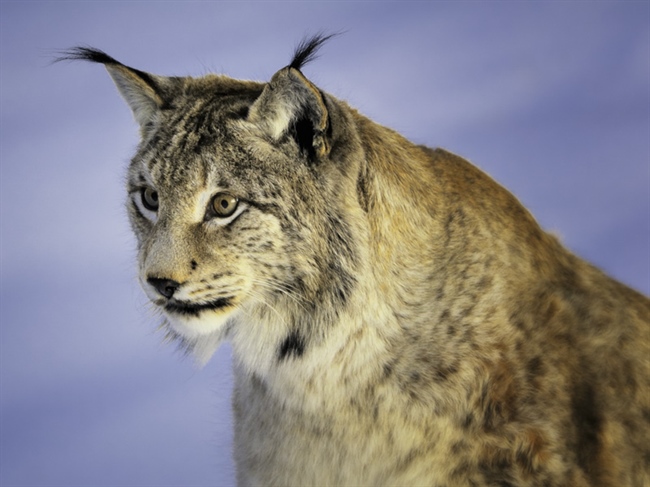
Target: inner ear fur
{"points": [[141, 92], [291, 104]]}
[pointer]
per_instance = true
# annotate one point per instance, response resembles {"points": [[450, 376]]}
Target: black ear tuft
{"points": [[307, 49], [145, 93], [85, 53], [81, 53]]}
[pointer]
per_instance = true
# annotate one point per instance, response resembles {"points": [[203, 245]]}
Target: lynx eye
{"points": [[149, 199], [224, 204]]}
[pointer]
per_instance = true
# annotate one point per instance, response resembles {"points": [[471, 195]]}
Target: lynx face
{"points": [[229, 201], [194, 232]]}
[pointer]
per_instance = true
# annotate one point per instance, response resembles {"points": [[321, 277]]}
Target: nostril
{"points": [[165, 287]]}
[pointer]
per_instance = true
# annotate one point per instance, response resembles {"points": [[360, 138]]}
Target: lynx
{"points": [[396, 316]]}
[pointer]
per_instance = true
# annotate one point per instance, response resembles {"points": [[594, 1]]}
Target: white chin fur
{"points": [[203, 333], [193, 327]]}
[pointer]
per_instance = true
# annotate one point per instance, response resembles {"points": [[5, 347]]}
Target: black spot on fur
{"points": [[468, 421], [239, 113], [497, 469], [534, 367], [524, 460], [457, 448], [362, 192], [292, 346], [517, 322], [492, 416], [456, 220], [243, 112], [444, 371], [411, 456], [267, 246], [461, 471], [193, 265], [388, 369], [588, 423], [338, 280], [646, 414], [496, 411]]}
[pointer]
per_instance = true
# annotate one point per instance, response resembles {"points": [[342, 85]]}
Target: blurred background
{"points": [[550, 98]]}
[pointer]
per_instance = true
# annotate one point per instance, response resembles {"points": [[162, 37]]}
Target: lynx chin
{"points": [[396, 316]]}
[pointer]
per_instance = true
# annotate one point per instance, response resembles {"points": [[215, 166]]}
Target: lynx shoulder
{"points": [[396, 316]]}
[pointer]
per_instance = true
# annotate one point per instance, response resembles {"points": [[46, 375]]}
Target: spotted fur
{"points": [[396, 317]]}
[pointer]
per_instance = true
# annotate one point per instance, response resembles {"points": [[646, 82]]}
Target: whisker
{"points": [[263, 301], [284, 289]]}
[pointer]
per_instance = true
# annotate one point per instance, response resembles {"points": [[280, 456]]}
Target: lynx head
{"points": [[243, 198]]}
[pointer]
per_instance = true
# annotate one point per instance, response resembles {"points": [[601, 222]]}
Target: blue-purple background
{"points": [[550, 98]]}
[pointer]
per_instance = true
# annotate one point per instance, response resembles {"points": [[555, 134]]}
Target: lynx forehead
{"points": [[396, 316]]}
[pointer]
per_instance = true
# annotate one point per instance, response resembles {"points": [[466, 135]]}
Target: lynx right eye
{"points": [[149, 199]]}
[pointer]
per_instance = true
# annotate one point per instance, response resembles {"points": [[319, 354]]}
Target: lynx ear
{"points": [[290, 103], [142, 91], [139, 91]]}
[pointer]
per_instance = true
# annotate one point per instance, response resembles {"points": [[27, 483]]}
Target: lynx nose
{"points": [[166, 287]]}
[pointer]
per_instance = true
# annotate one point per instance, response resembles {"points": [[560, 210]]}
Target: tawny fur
{"points": [[396, 316]]}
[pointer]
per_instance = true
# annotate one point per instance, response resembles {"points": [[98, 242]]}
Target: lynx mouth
{"points": [[190, 309]]}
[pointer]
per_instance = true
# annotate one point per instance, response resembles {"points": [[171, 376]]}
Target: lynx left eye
{"points": [[149, 199], [224, 204]]}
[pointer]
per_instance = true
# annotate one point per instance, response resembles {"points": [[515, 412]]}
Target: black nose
{"points": [[165, 287]]}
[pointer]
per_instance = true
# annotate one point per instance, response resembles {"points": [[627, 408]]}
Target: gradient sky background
{"points": [[550, 98]]}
